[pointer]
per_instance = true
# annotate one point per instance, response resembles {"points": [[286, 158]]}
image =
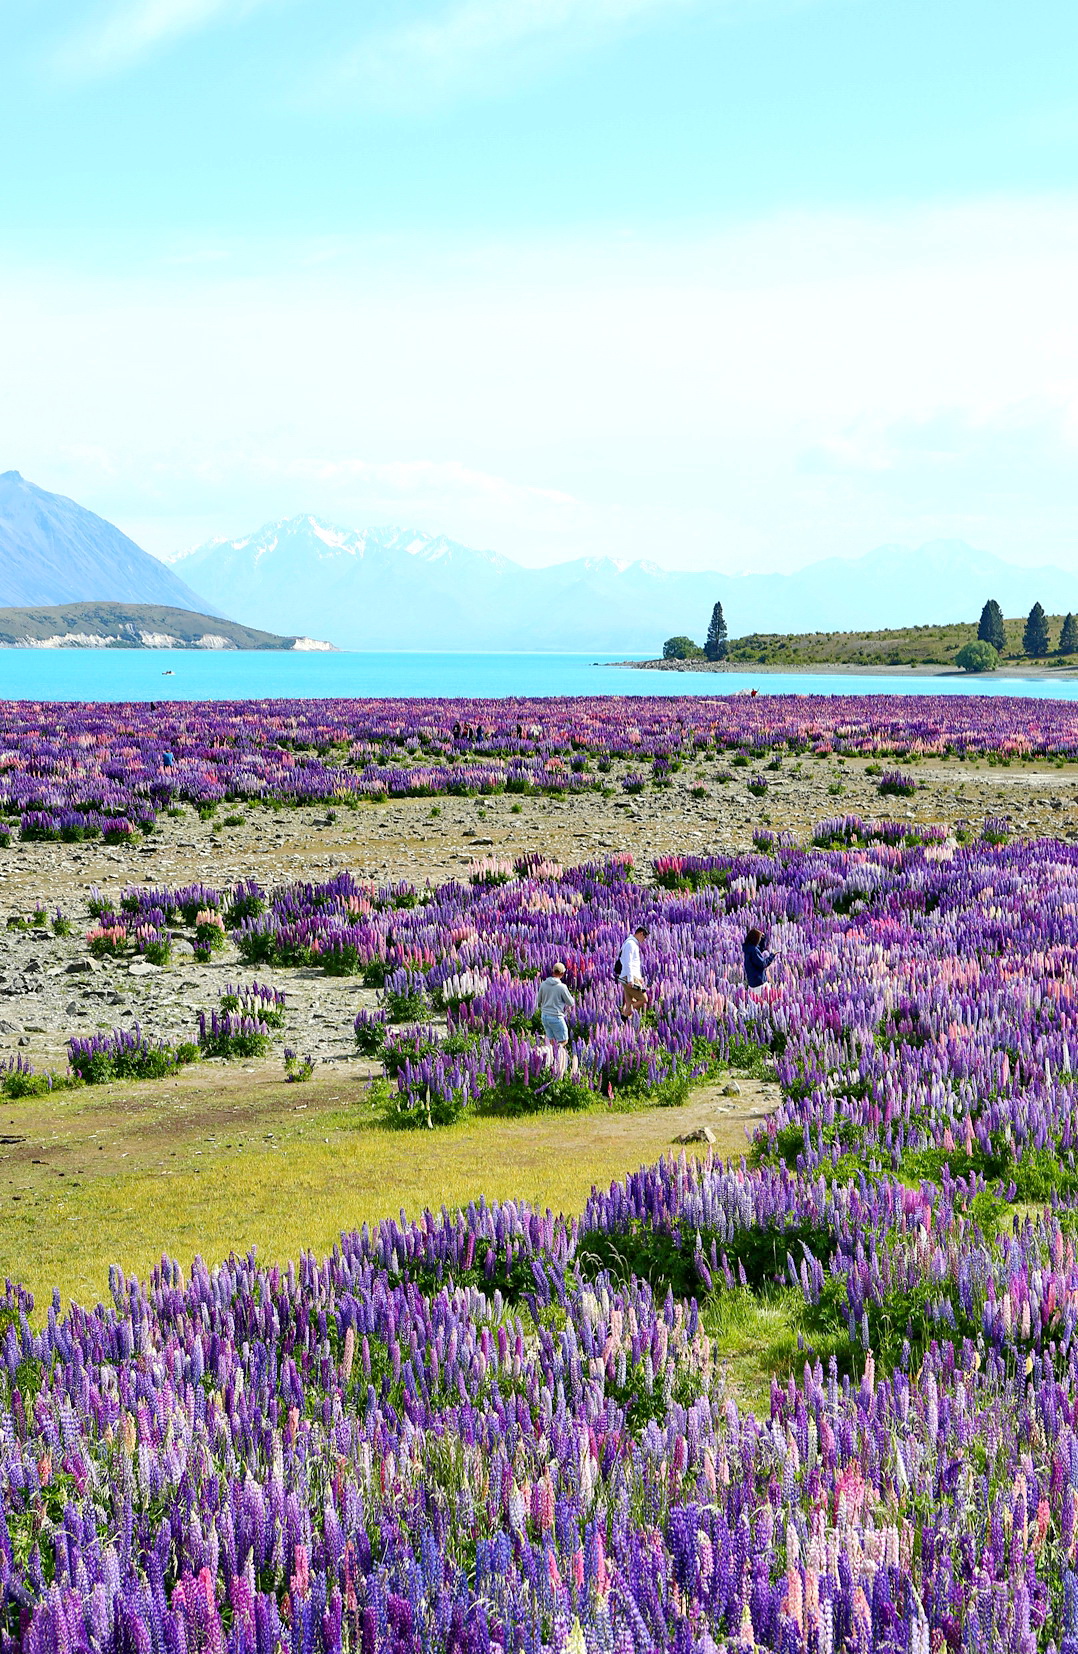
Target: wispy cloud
{"points": [[486, 44], [409, 479], [123, 34]]}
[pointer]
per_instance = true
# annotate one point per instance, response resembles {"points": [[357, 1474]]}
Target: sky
{"points": [[726, 284]]}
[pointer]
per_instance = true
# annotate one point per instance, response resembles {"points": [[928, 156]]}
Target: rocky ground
{"points": [[50, 988]]}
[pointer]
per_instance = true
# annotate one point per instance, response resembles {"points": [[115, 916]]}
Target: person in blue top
{"points": [[756, 960]]}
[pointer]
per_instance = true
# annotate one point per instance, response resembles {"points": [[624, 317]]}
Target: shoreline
{"points": [[1046, 674]]}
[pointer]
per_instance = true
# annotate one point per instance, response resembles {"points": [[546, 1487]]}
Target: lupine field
{"points": [[83, 769], [499, 1431]]}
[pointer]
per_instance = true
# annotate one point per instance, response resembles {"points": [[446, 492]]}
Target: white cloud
{"points": [[760, 397], [128, 32], [410, 479], [485, 43]]}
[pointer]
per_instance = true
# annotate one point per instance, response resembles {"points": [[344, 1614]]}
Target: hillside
{"points": [[132, 626], [55, 551], [391, 588], [898, 646]]}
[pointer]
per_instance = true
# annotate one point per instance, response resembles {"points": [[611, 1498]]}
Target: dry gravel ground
{"points": [[199, 1163]]}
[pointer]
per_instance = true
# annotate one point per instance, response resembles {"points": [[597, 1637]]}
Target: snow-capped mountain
{"points": [[54, 551], [392, 588]]}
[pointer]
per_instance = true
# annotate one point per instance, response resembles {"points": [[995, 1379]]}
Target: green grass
{"points": [[900, 646], [216, 1160], [762, 1336]]}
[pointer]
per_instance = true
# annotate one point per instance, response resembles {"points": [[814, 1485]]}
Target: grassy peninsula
{"points": [[132, 626], [902, 646]]}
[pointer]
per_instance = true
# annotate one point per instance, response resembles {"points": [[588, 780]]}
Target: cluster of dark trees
{"points": [[683, 648], [1035, 640]]}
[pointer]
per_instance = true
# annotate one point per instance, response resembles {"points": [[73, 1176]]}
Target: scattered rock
{"points": [[142, 967], [731, 1089], [83, 967], [23, 1039], [703, 1135]]}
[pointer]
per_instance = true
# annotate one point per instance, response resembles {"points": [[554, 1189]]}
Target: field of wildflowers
{"points": [[498, 1431], [76, 771]]}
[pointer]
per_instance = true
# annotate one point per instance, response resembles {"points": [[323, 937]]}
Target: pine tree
{"points": [[1068, 637], [991, 629], [715, 647], [1035, 636]]}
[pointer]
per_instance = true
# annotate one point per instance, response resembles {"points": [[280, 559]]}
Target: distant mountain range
{"points": [[54, 551], [390, 588], [132, 626]]}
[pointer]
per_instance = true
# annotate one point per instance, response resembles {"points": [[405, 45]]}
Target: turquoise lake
{"points": [[162, 674]]}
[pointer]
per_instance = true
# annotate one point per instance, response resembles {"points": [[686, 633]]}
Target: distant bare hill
{"points": [[133, 626]]}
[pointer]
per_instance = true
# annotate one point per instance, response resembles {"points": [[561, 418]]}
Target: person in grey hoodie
{"points": [[554, 1000]]}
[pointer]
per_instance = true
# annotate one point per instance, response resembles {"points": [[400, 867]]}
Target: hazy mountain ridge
{"points": [[53, 551], [393, 588]]}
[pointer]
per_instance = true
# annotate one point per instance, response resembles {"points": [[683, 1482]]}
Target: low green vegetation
{"points": [[974, 646]]}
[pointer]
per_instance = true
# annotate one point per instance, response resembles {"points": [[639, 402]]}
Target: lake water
{"points": [[139, 674]]}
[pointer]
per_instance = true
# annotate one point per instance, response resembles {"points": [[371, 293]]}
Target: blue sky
{"points": [[725, 285]]}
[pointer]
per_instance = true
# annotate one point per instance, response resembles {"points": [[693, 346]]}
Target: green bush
{"points": [[682, 648], [977, 656]]}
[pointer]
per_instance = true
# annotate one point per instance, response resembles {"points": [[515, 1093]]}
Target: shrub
{"points": [[246, 901], [895, 784], [153, 944], [682, 648], [194, 900], [126, 1054], [369, 1028], [977, 657], [491, 870], [337, 955], [107, 941], [18, 1079], [227, 1034], [405, 996], [210, 935], [297, 1069], [263, 1003]]}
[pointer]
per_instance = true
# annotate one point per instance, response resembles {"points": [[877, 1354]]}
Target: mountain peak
{"points": [[403, 588], [54, 551]]}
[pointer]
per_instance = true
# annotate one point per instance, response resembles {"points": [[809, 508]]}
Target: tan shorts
{"points": [[633, 998]]}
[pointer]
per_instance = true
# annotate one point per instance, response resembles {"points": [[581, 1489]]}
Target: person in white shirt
{"points": [[634, 994]]}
